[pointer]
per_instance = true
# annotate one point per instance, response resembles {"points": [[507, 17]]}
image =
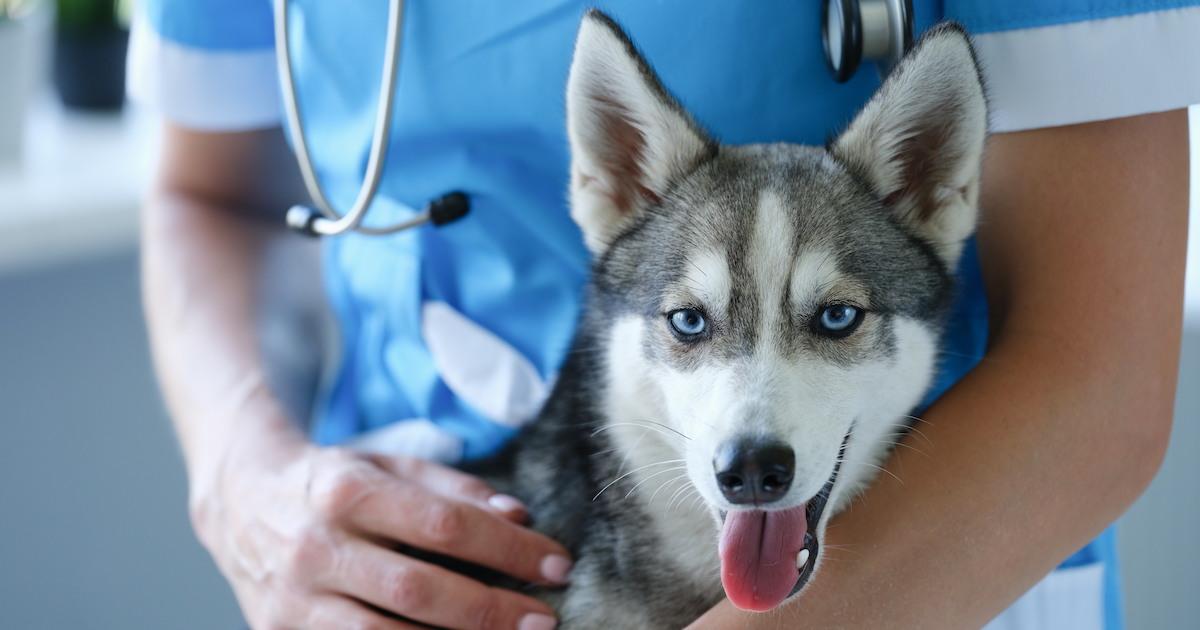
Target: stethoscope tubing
{"points": [[332, 223]]}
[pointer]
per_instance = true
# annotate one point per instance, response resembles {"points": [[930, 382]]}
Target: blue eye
{"points": [[687, 322], [838, 320]]}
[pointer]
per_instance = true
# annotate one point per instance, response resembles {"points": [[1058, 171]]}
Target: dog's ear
{"points": [[630, 139], [918, 143]]}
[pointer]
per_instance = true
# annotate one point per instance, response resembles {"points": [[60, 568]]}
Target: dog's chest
{"points": [[644, 568]]}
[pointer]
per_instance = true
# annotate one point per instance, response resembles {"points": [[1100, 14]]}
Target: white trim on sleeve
{"points": [[1066, 599], [201, 89], [1096, 70]]}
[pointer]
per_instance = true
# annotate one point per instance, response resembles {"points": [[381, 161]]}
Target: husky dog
{"points": [[760, 321]]}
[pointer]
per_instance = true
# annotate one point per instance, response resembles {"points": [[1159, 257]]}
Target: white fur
{"points": [[770, 254]]}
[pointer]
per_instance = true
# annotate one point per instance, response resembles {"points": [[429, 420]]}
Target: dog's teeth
{"points": [[801, 558]]}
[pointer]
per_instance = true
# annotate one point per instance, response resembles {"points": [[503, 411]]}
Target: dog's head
{"points": [[779, 305]]}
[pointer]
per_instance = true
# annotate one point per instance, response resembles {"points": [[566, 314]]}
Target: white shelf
{"points": [[77, 188]]}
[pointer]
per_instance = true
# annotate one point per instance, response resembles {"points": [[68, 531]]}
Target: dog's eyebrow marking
{"points": [[814, 273], [769, 257], [706, 278]]}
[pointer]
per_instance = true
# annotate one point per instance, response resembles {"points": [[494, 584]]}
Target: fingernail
{"points": [[537, 621], [556, 568], [505, 503]]}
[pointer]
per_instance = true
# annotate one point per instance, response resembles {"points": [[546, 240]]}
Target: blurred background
{"points": [[93, 524]]}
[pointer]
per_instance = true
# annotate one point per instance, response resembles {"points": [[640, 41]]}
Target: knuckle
{"points": [[405, 466], [408, 590], [487, 612], [335, 498], [472, 487], [514, 553], [445, 523], [308, 554]]}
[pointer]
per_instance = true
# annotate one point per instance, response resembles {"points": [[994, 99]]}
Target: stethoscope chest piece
{"points": [[853, 30]]}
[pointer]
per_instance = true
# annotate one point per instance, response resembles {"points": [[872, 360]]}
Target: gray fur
{"points": [[623, 578]]}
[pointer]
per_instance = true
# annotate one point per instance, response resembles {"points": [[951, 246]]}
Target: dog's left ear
{"points": [[630, 140], [918, 143]]}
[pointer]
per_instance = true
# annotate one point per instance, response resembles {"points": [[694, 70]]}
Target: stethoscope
{"points": [[852, 30]]}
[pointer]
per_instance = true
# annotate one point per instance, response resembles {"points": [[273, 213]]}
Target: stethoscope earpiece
{"points": [[853, 30]]}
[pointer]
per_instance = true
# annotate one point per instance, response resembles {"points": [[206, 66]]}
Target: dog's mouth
{"points": [[768, 556]]}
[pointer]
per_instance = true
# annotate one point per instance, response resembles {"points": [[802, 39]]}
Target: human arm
{"points": [[1066, 419], [303, 533]]}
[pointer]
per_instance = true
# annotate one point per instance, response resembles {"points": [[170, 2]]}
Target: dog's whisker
{"points": [[619, 478], [680, 494], [909, 447], [918, 419], [666, 483], [642, 425], [884, 470], [669, 428], [651, 476]]}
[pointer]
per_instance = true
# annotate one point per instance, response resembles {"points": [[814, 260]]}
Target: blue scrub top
{"points": [[480, 108]]}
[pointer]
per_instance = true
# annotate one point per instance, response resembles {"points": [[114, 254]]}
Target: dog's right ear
{"points": [[918, 143], [630, 139]]}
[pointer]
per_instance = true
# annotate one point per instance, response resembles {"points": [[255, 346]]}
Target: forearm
{"points": [[201, 289], [1063, 423], [205, 249]]}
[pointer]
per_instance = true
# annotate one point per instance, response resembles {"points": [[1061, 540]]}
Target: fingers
{"points": [[339, 613], [454, 484], [410, 514], [429, 594]]}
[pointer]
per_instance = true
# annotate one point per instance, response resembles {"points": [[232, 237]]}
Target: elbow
{"points": [[1138, 442]]}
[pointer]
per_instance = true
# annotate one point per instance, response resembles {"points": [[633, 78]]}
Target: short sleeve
{"points": [[206, 64], [1059, 62]]}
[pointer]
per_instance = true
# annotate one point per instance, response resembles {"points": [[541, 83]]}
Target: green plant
{"points": [[88, 14]]}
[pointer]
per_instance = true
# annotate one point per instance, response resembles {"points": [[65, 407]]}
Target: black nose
{"points": [[753, 471]]}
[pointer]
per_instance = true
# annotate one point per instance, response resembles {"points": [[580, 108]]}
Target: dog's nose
{"points": [[754, 472]]}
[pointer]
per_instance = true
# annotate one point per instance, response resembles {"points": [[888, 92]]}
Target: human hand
{"points": [[306, 536]]}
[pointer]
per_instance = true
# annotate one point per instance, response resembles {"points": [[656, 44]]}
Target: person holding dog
{"points": [[1053, 404]]}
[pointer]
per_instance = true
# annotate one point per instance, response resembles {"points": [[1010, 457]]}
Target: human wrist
{"points": [[238, 449]]}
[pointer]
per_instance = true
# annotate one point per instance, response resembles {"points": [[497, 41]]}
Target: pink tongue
{"points": [[758, 556]]}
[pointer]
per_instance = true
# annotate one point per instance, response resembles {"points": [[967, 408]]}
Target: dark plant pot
{"points": [[89, 67]]}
